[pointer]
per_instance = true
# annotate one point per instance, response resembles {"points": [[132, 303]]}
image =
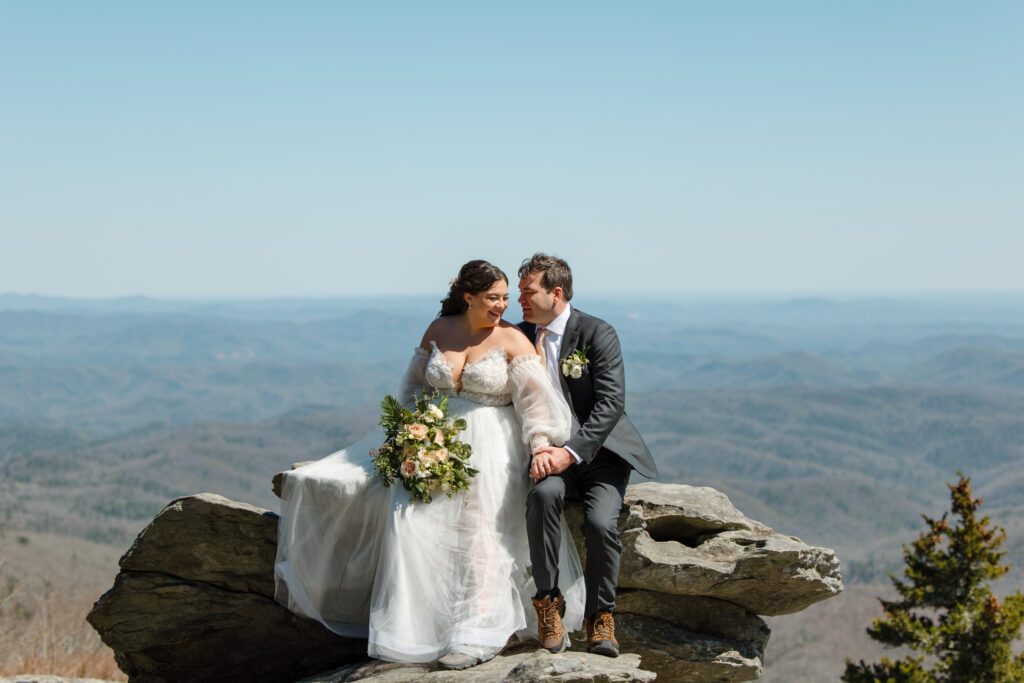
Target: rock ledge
{"points": [[194, 600]]}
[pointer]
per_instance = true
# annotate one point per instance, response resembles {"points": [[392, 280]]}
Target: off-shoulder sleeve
{"points": [[415, 379], [541, 407]]}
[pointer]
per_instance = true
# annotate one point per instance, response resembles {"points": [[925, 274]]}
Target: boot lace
{"points": [[603, 627], [548, 617]]}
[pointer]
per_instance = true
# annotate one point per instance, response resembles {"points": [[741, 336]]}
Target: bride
{"points": [[447, 580]]}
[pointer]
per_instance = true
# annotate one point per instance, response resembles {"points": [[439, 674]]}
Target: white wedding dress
{"points": [[420, 580]]}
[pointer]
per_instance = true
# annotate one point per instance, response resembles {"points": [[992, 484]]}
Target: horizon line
{"points": [[654, 294]]}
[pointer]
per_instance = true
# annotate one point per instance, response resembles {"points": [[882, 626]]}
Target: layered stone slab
{"points": [[194, 600]]}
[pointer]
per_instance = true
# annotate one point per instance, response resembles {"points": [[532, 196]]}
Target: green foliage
{"points": [[393, 415], [946, 609]]}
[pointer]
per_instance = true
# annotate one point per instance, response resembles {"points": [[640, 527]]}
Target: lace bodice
{"points": [[495, 380], [485, 380]]}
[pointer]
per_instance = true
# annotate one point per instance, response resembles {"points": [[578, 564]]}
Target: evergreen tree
{"points": [[946, 610]]}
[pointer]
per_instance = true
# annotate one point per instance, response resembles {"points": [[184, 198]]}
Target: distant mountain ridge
{"points": [[972, 366], [103, 400], [109, 373], [104, 488], [300, 309]]}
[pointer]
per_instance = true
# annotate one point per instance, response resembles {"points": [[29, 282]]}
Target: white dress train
{"points": [[420, 580]]}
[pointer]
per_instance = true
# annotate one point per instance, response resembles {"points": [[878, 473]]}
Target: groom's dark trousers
{"points": [[601, 485], [610, 448]]}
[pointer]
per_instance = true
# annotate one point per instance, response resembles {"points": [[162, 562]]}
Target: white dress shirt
{"points": [[552, 347]]}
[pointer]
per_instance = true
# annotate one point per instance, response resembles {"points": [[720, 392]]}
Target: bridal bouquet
{"points": [[421, 447]]}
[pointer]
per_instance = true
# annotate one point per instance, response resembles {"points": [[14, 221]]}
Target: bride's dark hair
{"points": [[474, 277]]}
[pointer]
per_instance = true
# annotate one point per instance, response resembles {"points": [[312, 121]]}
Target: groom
{"points": [[582, 356]]}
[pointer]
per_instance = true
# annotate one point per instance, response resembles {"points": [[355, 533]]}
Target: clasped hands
{"points": [[548, 460]]}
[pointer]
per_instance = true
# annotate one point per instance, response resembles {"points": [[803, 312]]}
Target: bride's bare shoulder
{"points": [[514, 341], [437, 331]]}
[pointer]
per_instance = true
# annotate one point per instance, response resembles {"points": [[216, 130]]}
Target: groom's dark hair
{"points": [[556, 272]]}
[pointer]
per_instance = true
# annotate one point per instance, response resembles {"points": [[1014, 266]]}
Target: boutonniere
{"points": [[575, 363]]}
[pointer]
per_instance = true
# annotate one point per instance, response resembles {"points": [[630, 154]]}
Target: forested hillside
{"points": [[836, 421]]}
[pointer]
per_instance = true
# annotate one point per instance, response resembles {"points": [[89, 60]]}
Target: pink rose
{"points": [[417, 430], [441, 454], [408, 469]]}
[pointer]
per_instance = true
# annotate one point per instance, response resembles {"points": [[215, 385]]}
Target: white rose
{"points": [[435, 455], [577, 372], [434, 412]]}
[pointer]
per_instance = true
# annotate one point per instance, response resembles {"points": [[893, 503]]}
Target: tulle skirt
{"points": [[418, 580]]}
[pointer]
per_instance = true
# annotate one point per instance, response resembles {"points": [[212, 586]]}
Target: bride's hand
{"points": [[548, 460]]}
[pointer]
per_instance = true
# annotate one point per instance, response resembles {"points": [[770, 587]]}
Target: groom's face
{"points": [[539, 304]]}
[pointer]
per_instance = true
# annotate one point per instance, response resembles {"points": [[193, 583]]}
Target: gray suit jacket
{"points": [[598, 398]]}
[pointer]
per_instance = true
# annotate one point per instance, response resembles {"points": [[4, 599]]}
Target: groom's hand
{"points": [[548, 460]]}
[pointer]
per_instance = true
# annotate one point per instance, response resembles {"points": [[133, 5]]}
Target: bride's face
{"points": [[487, 307]]}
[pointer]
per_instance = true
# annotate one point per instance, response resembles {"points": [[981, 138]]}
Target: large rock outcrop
{"points": [[687, 540], [194, 600], [694, 575]]}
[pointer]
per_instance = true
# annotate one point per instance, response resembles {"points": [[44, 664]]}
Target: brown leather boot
{"points": [[549, 623], [601, 635]]}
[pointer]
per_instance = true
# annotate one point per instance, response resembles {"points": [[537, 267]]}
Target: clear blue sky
{"points": [[336, 148]]}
